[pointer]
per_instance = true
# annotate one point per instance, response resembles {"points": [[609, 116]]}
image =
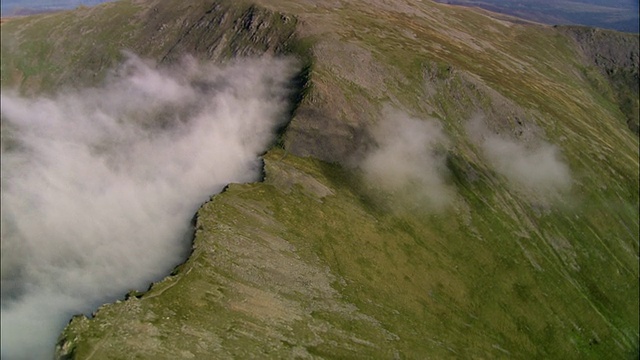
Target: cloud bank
{"points": [[537, 168], [409, 160], [99, 185]]}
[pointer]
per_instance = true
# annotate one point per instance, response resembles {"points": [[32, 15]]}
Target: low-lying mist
{"points": [[409, 161], [537, 168], [99, 184]]}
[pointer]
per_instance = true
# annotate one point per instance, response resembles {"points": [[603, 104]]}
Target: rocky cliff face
{"points": [[531, 252], [616, 56]]}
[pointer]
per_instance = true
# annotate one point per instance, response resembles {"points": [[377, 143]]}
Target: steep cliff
{"points": [[617, 57]]}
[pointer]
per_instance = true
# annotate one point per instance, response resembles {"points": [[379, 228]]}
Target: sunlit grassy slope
{"points": [[79, 47], [307, 264], [316, 260]]}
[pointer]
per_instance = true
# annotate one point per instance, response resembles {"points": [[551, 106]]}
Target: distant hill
{"points": [[607, 14], [28, 7], [615, 15]]}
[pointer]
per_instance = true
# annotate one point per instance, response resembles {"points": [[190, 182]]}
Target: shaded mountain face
{"points": [[449, 183], [617, 57]]}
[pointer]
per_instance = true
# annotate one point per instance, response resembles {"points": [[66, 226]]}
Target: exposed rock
{"points": [[617, 56]]}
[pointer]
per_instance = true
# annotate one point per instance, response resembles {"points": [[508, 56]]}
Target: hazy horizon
{"points": [[14, 7], [617, 15]]}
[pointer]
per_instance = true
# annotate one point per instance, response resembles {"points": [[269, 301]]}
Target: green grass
{"points": [[46, 52], [417, 283], [317, 261]]}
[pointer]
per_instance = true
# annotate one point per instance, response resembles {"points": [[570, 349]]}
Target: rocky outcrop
{"points": [[225, 31], [617, 57], [163, 31]]}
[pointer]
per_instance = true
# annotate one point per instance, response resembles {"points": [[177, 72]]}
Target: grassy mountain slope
{"points": [[46, 52], [278, 270], [318, 260]]}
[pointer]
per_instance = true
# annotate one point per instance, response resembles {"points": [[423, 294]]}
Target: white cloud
{"points": [[99, 185], [535, 167], [409, 160]]}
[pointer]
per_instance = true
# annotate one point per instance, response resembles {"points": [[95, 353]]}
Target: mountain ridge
{"points": [[520, 271]]}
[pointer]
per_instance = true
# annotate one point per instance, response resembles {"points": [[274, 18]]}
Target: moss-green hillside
{"points": [[319, 260], [307, 264], [46, 52]]}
